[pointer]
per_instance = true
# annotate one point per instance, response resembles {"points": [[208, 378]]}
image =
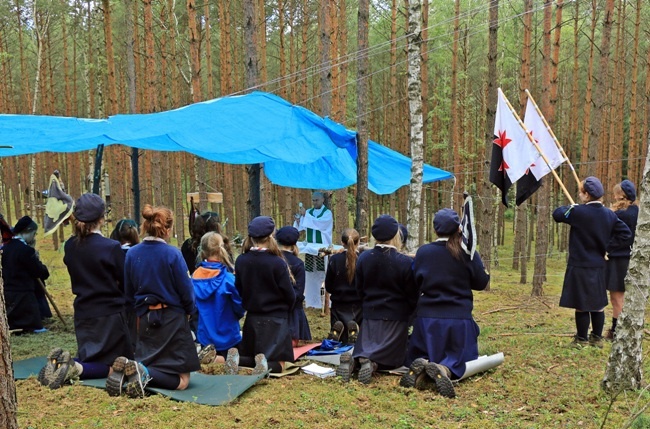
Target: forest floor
{"points": [[542, 383]]}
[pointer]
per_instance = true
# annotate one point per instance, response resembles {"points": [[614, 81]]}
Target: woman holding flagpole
{"points": [[594, 229]]}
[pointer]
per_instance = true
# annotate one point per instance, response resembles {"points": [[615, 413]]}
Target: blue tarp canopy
{"points": [[298, 148]]}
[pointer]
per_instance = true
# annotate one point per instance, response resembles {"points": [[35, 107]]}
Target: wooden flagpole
{"points": [[557, 143], [49, 297], [539, 149]]}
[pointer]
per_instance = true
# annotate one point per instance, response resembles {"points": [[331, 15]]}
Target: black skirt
{"points": [[345, 313], [383, 342], [268, 335], [22, 310], [102, 339], [584, 289], [615, 272], [165, 342]]}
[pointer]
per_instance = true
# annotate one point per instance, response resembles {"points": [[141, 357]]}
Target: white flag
{"points": [[517, 151], [540, 133]]}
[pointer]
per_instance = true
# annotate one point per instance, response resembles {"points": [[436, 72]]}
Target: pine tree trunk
{"points": [[624, 370], [252, 79], [8, 403], [363, 70], [633, 162]]}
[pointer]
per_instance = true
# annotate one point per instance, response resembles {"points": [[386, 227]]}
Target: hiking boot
{"points": [[115, 381], [208, 354], [66, 371], [416, 374], [346, 367], [261, 365], [232, 361], [609, 335], [336, 331], [46, 374], [353, 332], [137, 379], [595, 340], [440, 375], [578, 342], [366, 368]]}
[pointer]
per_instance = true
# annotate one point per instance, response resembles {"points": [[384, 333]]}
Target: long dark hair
{"points": [[454, 245], [126, 231]]}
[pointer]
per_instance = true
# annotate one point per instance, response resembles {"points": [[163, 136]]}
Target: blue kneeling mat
{"points": [[203, 389]]}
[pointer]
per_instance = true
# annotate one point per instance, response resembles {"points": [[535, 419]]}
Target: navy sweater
{"points": [[263, 282], [629, 216], [594, 228], [155, 272], [21, 267], [297, 267], [385, 283], [96, 267], [336, 282], [446, 283]]}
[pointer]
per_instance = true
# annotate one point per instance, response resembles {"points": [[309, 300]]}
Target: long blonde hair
{"points": [[350, 239], [212, 246], [621, 202]]}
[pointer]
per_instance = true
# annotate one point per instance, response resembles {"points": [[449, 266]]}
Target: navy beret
{"points": [[404, 231], [384, 228], [25, 224], [261, 226], [446, 222], [287, 235], [629, 190], [593, 187], [89, 207]]}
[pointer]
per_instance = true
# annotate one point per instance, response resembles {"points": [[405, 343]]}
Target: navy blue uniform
{"points": [[346, 304], [297, 318], [619, 256], [444, 330], [594, 229]]}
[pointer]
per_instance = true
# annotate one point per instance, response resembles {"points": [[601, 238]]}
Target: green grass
{"points": [[541, 384]]}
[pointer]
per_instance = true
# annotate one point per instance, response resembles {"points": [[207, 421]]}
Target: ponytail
{"points": [[350, 239]]}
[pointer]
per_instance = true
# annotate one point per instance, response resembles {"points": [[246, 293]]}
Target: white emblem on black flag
{"points": [[468, 228]]}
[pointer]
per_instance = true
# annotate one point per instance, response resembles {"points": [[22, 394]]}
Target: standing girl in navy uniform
{"points": [[96, 267], [126, 232], [619, 256], [445, 335], [287, 237], [384, 280], [345, 311], [594, 228], [264, 282], [159, 286]]}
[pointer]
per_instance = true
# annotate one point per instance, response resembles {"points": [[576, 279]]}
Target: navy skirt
{"points": [[298, 323], [615, 272], [383, 342], [102, 339], [449, 342], [22, 310], [165, 342], [584, 289], [268, 335], [345, 313]]}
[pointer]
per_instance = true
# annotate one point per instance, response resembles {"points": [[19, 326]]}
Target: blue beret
{"points": [[404, 231], [384, 228], [446, 222], [593, 187], [25, 224], [629, 190], [261, 226], [287, 235], [89, 207]]}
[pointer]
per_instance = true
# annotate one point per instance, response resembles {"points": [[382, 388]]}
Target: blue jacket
{"points": [[630, 217], [219, 305]]}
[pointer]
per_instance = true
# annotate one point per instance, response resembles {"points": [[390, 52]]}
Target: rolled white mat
{"points": [[483, 363]]}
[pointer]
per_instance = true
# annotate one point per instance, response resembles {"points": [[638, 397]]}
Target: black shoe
{"points": [[115, 381], [439, 374], [353, 332], [336, 331], [46, 374], [366, 368], [414, 377], [346, 367]]}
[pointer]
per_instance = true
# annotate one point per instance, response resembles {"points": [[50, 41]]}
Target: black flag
{"points": [[527, 185], [498, 174]]}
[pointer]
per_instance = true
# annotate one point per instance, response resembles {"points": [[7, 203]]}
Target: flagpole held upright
{"points": [[557, 142], [532, 140]]}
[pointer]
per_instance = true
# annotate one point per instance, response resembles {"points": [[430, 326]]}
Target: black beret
{"points": [[25, 224], [405, 233], [89, 207], [384, 228], [261, 226], [287, 235], [629, 190], [446, 222], [593, 187]]}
